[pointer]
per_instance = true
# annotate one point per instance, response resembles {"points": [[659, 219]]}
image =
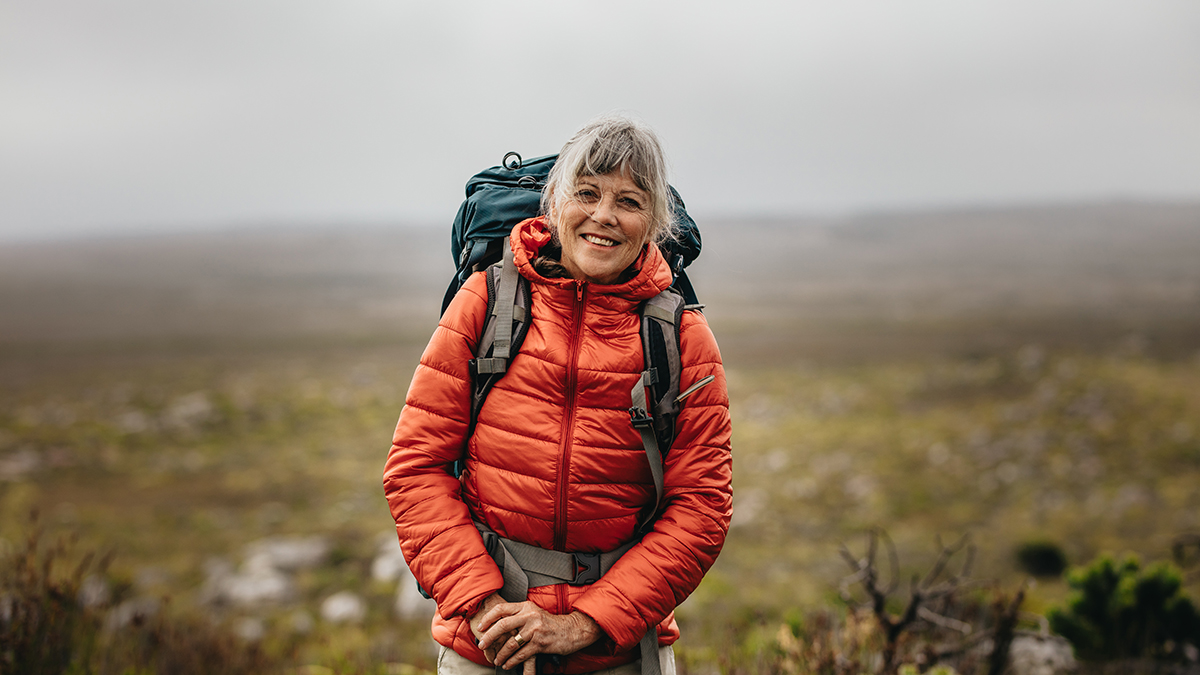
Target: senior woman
{"points": [[552, 461]]}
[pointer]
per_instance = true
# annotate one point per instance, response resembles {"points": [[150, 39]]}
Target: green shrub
{"points": [[1119, 610], [1042, 559]]}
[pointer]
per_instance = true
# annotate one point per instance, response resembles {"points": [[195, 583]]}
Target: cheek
{"points": [[640, 232], [565, 219]]}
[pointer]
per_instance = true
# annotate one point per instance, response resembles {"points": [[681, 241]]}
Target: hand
{"points": [[541, 633], [488, 603], [474, 622]]}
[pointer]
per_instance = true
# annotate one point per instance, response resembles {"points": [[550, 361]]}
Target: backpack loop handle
{"points": [[511, 161]]}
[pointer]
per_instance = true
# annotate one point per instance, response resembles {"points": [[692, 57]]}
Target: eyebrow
{"points": [[590, 181]]}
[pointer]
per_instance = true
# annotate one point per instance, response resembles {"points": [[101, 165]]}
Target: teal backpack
{"points": [[502, 196]]}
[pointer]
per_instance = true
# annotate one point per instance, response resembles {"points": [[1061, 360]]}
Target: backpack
{"points": [[502, 196]]}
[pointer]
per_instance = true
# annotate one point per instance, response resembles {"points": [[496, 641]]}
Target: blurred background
{"points": [[950, 254]]}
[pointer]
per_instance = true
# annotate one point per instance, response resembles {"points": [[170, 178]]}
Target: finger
{"points": [[498, 612], [500, 631], [530, 667], [526, 654], [512, 652], [494, 651]]}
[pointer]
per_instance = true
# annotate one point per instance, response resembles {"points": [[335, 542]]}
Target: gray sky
{"points": [[146, 116]]}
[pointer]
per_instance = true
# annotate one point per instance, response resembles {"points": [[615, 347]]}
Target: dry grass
{"points": [[884, 383]]}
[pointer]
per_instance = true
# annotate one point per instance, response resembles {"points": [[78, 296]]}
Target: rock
{"points": [[389, 564], [256, 583], [410, 604], [344, 607], [94, 591], [189, 412], [288, 553], [259, 586], [1040, 655], [263, 578]]}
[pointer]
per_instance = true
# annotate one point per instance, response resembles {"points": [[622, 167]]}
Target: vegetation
{"points": [[53, 622], [1029, 378], [174, 459], [1118, 609], [1042, 559]]}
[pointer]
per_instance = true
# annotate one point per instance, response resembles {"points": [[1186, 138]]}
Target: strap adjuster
{"points": [[587, 569], [640, 418]]}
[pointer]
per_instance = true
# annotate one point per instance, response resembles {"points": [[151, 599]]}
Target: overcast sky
{"points": [[143, 115]]}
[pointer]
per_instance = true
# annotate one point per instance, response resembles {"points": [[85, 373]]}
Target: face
{"points": [[602, 227]]}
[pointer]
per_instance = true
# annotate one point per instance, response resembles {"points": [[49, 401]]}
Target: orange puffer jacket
{"points": [[554, 461]]}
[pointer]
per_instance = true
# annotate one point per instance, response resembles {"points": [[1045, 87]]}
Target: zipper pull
{"points": [[579, 285], [704, 381]]}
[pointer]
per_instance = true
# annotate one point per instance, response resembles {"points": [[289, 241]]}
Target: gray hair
{"points": [[614, 144]]}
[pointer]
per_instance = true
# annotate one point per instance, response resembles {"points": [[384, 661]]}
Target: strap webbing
{"points": [[649, 649], [505, 300], [525, 567], [659, 312], [645, 426]]}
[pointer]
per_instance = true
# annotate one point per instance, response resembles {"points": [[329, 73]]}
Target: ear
{"points": [[552, 212]]}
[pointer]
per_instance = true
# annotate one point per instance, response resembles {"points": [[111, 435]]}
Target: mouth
{"points": [[598, 240]]}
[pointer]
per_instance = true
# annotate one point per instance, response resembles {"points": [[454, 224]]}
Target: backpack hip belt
{"points": [[525, 567]]}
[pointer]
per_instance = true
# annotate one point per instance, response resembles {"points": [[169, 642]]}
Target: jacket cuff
{"points": [[471, 607], [459, 593], [617, 617]]}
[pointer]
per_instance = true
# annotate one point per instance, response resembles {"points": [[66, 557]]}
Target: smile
{"points": [[599, 241]]}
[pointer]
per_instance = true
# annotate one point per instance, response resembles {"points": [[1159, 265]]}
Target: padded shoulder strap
{"points": [[655, 396], [504, 329], [661, 319]]}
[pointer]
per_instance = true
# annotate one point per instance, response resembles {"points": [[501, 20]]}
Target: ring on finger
{"points": [[519, 640]]}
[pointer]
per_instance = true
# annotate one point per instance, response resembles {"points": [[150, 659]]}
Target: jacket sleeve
{"points": [[439, 541], [649, 581]]}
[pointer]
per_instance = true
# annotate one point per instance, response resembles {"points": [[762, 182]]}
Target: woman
{"points": [[553, 461]]}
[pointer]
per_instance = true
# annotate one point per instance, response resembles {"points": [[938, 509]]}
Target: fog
{"points": [[135, 116]]}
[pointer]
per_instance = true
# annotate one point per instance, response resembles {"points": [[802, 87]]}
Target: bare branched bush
{"points": [[941, 621]]}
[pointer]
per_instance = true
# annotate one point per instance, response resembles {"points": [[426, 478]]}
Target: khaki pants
{"points": [[450, 663]]}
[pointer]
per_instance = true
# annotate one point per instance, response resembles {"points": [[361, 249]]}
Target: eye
{"points": [[587, 195], [631, 203]]}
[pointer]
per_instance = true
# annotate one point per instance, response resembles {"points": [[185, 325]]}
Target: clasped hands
{"points": [[513, 633]]}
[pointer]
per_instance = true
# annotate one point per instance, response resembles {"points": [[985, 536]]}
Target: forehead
{"points": [[616, 181]]}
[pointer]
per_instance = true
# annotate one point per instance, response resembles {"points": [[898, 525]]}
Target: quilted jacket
{"points": [[554, 461]]}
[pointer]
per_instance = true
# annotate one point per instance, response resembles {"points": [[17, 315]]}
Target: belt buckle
{"points": [[587, 568]]}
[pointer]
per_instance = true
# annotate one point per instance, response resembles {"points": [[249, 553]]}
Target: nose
{"points": [[605, 212]]}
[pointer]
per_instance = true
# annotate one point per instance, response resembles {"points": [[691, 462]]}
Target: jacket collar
{"points": [[653, 276]]}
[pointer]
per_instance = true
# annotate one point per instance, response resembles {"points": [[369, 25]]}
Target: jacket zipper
{"points": [[568, 425]]}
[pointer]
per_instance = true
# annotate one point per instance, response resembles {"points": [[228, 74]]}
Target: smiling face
{"points": [[602, 226]]}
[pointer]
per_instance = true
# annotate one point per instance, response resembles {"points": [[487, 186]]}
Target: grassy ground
{"points": [[172, 458], [172, 401]]}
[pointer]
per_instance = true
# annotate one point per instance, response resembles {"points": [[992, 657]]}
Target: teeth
{"points": [[599, 241]]}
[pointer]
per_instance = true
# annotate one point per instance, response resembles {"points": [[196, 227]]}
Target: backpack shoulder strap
{"points": [[655, 396], [504, 330]]}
